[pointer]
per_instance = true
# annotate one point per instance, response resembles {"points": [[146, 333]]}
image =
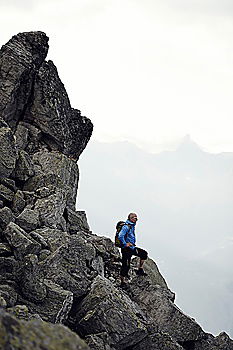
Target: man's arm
{"points": [[122, 236]]}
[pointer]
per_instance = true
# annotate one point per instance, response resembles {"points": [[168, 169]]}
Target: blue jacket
{"points": [[127, 234]]}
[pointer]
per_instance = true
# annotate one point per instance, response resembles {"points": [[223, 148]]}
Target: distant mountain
{"points": [[184, 199]]}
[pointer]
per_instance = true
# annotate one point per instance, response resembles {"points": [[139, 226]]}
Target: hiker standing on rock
{"points": [[128, 248]]}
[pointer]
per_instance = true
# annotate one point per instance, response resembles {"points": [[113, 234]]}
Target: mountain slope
{"points": [[184, 199]]}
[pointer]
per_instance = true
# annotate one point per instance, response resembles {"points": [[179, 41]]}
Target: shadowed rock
{"points": [[28, 220], [6, 217], [221, 342], [63, 128], [35, 334], [24, 167], [20, 60], [106, 309], [157, 341], [20, 242], [8, 153]]}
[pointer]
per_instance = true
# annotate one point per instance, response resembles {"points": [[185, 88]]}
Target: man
{"points": [[128, 240]]}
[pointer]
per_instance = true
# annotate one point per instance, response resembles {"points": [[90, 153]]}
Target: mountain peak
{"points": [[187, 145]]}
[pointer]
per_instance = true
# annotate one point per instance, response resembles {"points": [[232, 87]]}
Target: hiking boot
{"points": [[141, 272]]}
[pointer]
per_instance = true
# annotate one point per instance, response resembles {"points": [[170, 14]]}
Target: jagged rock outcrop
{"points": [[36, 334], [52, 268]]}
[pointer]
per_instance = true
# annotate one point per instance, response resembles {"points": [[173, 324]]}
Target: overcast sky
{"points": [[146, 71], [149, 71]]}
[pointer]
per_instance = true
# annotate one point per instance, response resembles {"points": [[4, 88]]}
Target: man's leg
{"points": [[142, 254], [126, 257]]}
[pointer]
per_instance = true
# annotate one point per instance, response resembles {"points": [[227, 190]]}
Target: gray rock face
{"points": [[98, 341], [77, 221], [52, 268], [9, 294], [35, 334], [165, 314], [158, 341], [6, 194], [6, 217], [68, 128], [8, 151], [222, 341], [55, 304], [20, 242], [106, 309], [31, 281], [5, 249], [24, 167], [18, 203], [28, 220], [20, 59]]}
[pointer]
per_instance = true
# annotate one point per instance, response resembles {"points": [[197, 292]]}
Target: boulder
{"points": [[158, 341], [24, 167], [52, 238], [70, 265], [107, 309], [21, 136], [33, 139], [18, 203], [55, 306], [20, 242], [37, 237], [6, 217], [166, 316], [76, 221], [30, 279], [55, 170], [36, 334], [8, 270], [51, 209], [6, 194], [99, 341], [8, 154], [28, 220]]}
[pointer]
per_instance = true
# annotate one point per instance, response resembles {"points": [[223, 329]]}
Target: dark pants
{"points": [[127, 254]]}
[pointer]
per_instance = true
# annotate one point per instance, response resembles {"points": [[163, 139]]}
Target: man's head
{"points": [[132, 217]]}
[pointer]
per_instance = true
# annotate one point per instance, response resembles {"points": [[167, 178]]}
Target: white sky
{"points": [[150, 71]]}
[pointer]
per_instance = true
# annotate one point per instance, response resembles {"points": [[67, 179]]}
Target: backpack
{"points": [[119, 226]]}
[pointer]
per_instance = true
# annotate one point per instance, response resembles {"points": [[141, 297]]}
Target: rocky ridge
{"points": [[59, 283]]}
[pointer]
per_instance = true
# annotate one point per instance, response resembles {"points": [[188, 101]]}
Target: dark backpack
{"points": [[119, 226]]}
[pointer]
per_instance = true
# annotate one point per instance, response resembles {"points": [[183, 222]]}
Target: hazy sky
{"points": [[150, 71]]}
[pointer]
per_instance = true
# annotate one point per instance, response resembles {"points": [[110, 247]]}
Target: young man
{"points": [[128, 240]]}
